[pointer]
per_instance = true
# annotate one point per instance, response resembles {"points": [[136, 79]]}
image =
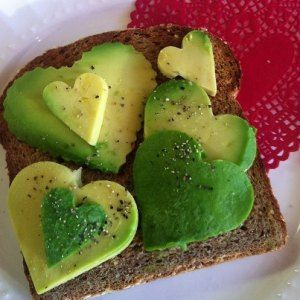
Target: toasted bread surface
{"points": [[263, 231]]}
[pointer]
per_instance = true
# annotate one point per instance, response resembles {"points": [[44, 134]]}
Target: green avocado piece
{"points": [[25, 199], [130, 79], [184, 106], [183, 199], [30, 120], [66, 227], [194, 61]]}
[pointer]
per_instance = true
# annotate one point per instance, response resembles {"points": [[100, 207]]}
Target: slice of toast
{"points": [[263, 231]]}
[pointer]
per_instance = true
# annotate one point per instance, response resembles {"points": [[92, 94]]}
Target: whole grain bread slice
{"points": [[263, 231]]}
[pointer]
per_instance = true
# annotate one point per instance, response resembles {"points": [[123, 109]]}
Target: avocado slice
{"points": [[183, 105], [183, 199], [67, 227], [130, 79], [26, 193], [82, 107], [194, 61]]}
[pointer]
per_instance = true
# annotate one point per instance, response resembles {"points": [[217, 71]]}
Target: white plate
{"points": [[27, 29]]}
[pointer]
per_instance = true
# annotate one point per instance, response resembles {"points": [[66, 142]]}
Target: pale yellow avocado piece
{"points": [[25, 197], [82, 107], [194, 61]]}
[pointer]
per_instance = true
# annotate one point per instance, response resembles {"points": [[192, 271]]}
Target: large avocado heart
{"points": [[182, 105], [183, 199], [26, 193], [130, 79]]}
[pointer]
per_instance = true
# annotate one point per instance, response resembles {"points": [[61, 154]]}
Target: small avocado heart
{"points": [[82, 107], [184, 106], [195, 61], [67, 227], [183, 199], [59, 237]]}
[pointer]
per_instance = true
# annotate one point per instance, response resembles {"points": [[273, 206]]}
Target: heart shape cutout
{"points": [[26, 193], [183, 199], [194, 61], [66, 227], [82, 107], [184, 106], [130, 79]]}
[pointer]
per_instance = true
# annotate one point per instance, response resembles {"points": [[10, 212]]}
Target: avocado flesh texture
{"points": [[80, 107], [25, 212], [130, 78], [67, 227], [183, 199], [182, 105], [194, 61]]}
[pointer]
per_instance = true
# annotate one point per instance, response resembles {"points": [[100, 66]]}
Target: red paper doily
{"points": [[264, 35]]}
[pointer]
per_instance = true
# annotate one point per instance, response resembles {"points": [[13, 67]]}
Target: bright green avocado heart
{"points": [[183, 199], [194, 61], [182, 105], [67, 227], [25, 199]]}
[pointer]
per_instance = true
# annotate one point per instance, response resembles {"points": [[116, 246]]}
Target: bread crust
{"points": [[263, 231]]}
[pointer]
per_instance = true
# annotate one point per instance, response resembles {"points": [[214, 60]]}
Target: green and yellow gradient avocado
{"points": [[130, 79], [37, 226]]}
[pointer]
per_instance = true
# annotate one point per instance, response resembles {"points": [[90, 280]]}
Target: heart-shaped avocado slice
{"points": [[29, 191], [194, 61], [183, 199], [67, 227], [130, 79], [82, 107], [182, 105]]}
